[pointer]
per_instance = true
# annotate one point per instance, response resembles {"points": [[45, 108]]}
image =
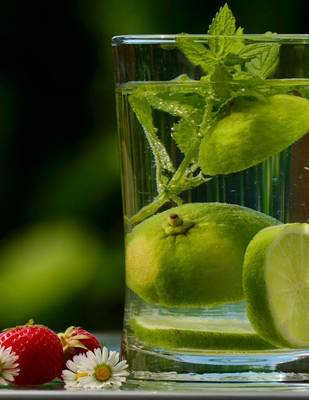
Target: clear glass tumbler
{"points": [[213, 151]]}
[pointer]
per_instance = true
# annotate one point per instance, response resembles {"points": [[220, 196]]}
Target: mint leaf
{"points": [[177, 104], [178, 100], [224, 39], [265, 63], [143, 113], [186, 130], [196, 52], [182, 78], [223, 23], [237, 42], [233, 59], [231, 45], [221, 80], [183, 101], [246, 53], [253, 50]]}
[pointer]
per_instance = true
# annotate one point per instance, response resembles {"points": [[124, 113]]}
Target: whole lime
{"points": [[191, 255], [253, 131]]}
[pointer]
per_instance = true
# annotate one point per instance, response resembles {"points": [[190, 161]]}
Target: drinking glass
{"points": [[180, 323]]}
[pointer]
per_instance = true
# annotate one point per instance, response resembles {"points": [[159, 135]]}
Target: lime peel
{"points": [[193, 333], [276, 284], [252, 132]]}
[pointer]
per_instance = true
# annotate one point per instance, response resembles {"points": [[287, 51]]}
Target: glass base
{"points": [[222, 389], [155, 364]]}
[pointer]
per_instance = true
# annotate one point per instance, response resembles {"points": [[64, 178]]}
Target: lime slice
{"points": [[193, 333], [276, 284], [192, 255], [252, 132]]}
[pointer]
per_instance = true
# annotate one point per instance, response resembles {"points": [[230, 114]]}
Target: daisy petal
{"points": [[121, 373], [3, 382], [72, 366], [9, 367], [121, 365], [104, 355]]}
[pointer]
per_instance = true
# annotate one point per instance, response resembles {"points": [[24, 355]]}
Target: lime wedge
{"points": [[252, 132], [193, 333], [276, 284]]}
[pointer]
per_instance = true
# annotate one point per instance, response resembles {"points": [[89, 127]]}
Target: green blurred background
{"points": [[61, 250]]}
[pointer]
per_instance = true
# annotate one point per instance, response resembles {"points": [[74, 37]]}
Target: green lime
{"points": [[193, 333], [191, 255], [276, 284], [252, 132]]}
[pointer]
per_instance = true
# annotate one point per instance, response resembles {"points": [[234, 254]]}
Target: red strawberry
{"points": [[76, 340], [39, 353]]}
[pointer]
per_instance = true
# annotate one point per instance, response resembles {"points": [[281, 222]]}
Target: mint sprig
{"points": [[224, 58]]}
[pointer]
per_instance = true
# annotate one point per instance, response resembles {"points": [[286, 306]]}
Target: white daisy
{"points": [[71, 375], [8, 365], [99, 369]]}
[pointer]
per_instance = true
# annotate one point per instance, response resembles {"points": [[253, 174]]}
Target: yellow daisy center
{"points": [[81, 374], [103, 372]]}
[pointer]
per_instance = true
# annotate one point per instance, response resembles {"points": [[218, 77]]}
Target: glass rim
{"points": [[290, 38]]}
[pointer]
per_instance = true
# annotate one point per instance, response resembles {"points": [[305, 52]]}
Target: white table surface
{"points": [[168, 390]]}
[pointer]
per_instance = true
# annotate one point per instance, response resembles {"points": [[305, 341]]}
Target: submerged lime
{"points": [[252, 132], [276, 284], [191, 255], [193, 333]]}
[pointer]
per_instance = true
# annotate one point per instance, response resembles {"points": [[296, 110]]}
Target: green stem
{"points": [[175, 186], [150, 209]]}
